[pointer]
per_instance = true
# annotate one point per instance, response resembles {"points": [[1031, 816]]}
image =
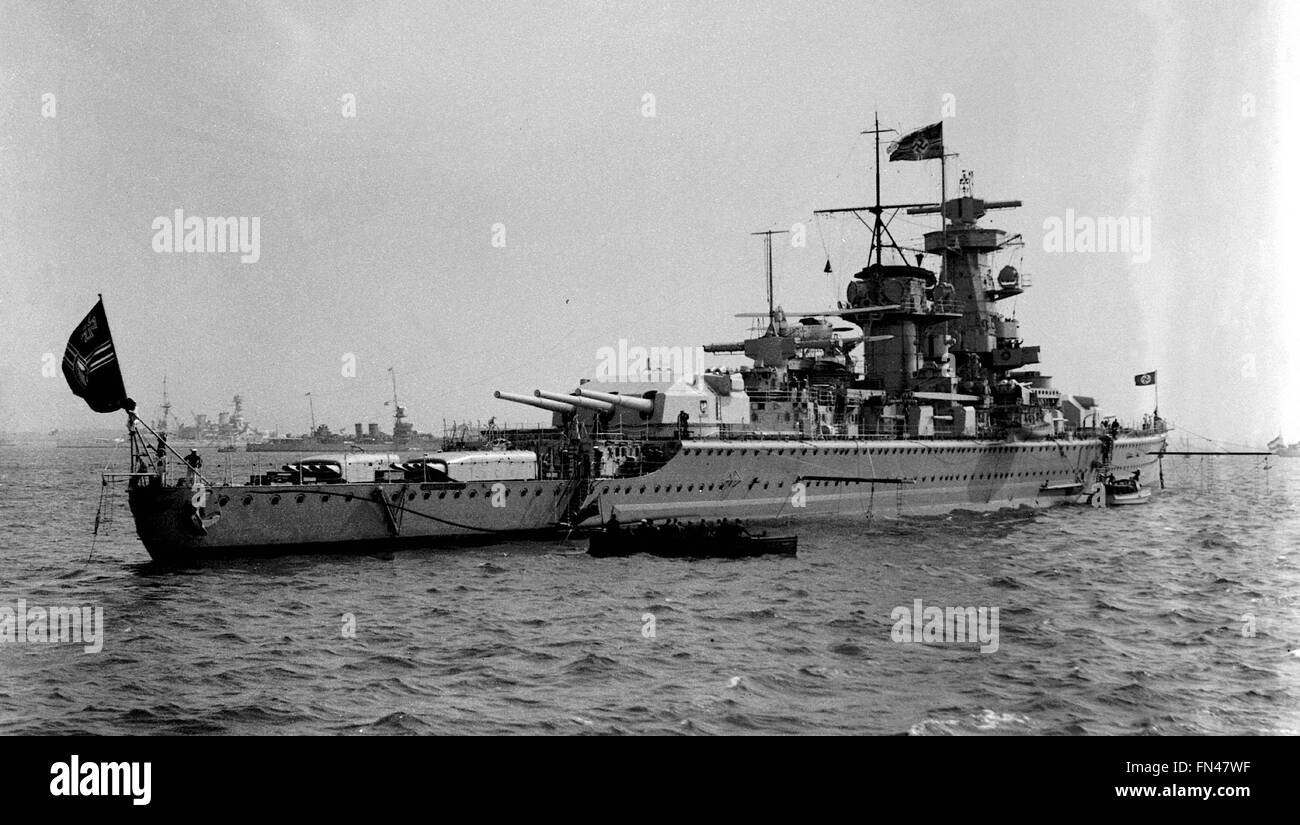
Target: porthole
{"points": [[456, 494], [275, 499], [248, 500], [396, 496], [426, 496], [326, 498], [606, 490], [473, 493], [442, 495], [348, 497], [300, 498], [222, 501]]}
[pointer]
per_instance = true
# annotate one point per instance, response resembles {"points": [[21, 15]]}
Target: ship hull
{"points": [[241, 520], [749, 480], [766, 480]]}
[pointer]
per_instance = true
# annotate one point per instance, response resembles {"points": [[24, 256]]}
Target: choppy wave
{"points": [[1179, 617]]}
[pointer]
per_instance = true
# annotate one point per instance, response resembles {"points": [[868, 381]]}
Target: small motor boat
{"points": [[726, 540], [1125, 491]]}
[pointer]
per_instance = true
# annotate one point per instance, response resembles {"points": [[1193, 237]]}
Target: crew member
{"points": [[194, 462]]}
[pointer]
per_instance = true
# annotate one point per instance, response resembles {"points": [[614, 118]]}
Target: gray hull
{"points": [[744, 479], [755, 480], [241, 520]]}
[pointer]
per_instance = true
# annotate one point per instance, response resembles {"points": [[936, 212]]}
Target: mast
{"points": [[166, 407], [943, 214], [943, 211], [878, 228], [771, 306], [399, 414], [876, 232]]}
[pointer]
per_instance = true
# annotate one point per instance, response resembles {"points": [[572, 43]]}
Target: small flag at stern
{"points": [[1146, 379]]}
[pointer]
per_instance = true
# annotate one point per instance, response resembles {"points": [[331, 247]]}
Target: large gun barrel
{"points": [[642, 405], [733, 346], [586, 403], [546, 404]]}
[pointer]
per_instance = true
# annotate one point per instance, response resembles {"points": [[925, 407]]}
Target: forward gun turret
{"points": [[543, 403], [642, 405]]}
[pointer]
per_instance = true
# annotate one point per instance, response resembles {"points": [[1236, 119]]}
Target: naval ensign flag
{"points": [[1146, 379], [90, 364], [923, 144]]}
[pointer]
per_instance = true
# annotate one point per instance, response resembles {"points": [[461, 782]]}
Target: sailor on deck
{"points": [[194, 462]]}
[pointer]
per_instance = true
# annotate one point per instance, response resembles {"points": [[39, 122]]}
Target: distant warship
{"points": [[1280, 448], [939, 412], [404, 436]]}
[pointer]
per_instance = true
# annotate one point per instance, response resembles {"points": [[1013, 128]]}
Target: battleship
{"points": [[367, 438], [229, 432], [916, 395]]}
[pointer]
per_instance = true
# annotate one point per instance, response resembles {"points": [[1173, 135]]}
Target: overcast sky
{"points": [[376, 231]]}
